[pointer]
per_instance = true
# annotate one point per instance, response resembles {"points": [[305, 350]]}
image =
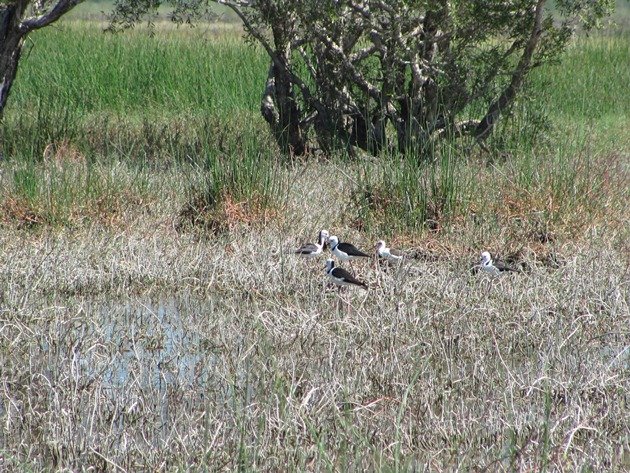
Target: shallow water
{"points": [[157, 332], [140, 376], [169, 341]]}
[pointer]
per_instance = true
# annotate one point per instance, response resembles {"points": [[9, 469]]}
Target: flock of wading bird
{"points": [[345, 251]]}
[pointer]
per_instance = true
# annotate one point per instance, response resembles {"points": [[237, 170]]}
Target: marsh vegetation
{"points": [[152, 316]]}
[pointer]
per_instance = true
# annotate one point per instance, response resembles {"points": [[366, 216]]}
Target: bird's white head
{"points": [[323, 237], [330, 264], [380, 244], [333, 241], [485, 258]]}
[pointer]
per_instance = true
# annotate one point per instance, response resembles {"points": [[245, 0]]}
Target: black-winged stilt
{"points": [[310, 250], [493, 268], [345, 251], [388, 254], [341, 277]]}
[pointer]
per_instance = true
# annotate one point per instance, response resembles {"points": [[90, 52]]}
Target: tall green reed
{"points": [[406, 192], [133, 72], [236, 177]]}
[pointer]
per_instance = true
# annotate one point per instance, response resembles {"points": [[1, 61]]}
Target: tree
{"points": [[17, 19], [377, 74]]}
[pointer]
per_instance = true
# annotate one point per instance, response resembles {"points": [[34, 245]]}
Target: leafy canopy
{"points": [[399, 75]]}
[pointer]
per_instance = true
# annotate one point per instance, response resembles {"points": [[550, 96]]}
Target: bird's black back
{"points": [[351, 250], [306, 249], [341, 273], [503, 267]]}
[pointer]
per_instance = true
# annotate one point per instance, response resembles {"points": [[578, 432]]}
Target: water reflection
{"points": [[161, 359], [158, 333]]}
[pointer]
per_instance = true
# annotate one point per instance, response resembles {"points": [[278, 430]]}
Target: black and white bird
{"points": [[341, 277], [388, 254], [345, 251], [310, 250], [493, 268]]}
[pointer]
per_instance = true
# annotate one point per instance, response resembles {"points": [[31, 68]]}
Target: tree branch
{"points": [[487, 124], [61, 8], [236, 8]]}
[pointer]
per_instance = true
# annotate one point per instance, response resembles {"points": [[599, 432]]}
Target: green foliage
{"points": [[344, 70], [544, 147], [544, 164]]}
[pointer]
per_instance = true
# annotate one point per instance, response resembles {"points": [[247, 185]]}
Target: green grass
{"points": [[227, 174], [590, 81], [237, 180], [191, 96], [403, 194], [186, 96], [78, 67], [72, 193]]}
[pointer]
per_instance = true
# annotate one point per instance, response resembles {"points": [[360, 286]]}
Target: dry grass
{"points": [[225, 215], [65, 190], [143, 348], [130, 341]]}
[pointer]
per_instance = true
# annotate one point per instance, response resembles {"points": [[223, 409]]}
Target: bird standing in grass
{"points": [[310, 250], [388, 254], [493, 268], [345, 251], [341, 277]]}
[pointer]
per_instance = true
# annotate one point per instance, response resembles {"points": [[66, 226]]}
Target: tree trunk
{"points": [[280, 110], [505, 100], [11, 41], [368, 133], [13, 30]]}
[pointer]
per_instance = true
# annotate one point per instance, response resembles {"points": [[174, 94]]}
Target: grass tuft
{"points": [[65, 190], [239, 181], [406, 194]]}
